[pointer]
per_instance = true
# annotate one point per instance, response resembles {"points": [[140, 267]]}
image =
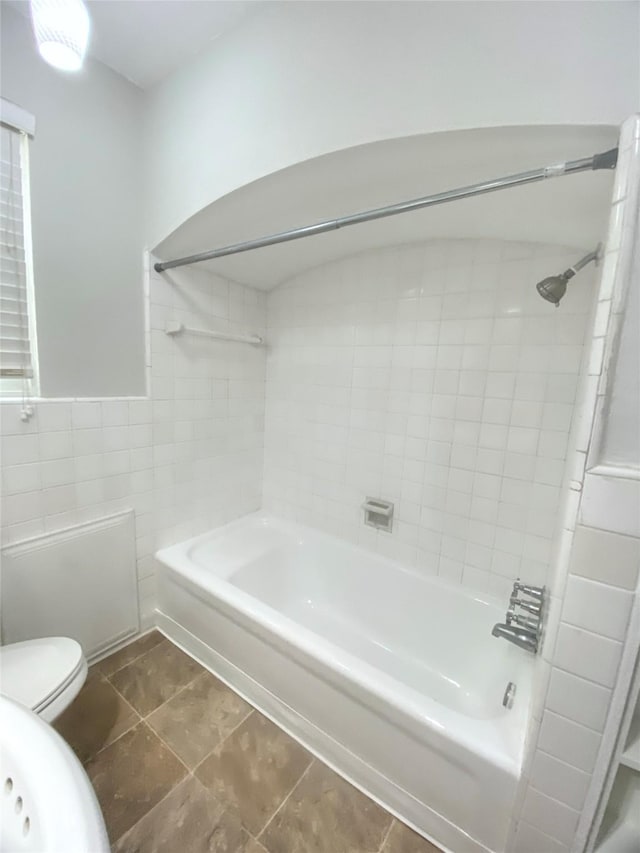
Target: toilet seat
{"points": [[44, 674]]}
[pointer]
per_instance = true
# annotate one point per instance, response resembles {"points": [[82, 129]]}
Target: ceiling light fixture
{"points": [[61, 28]]}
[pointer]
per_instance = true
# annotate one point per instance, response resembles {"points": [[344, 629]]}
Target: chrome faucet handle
{"points": [[536, 592], [530, 623], [529, 606]]}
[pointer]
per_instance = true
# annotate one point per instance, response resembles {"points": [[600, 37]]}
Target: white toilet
{"points": [[45, 675]]}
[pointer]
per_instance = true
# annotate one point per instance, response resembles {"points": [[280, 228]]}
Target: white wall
{"points": [[186, 460], [299, 80], [86, 204], [433, 376]]}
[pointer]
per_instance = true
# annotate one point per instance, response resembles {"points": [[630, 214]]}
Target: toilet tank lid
{"points": [[34, 671]]}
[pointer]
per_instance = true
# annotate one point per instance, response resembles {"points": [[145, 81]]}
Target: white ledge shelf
{"points": [[175, 329]]}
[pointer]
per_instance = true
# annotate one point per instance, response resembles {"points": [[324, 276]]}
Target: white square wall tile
{"points": [[559, 780], [569, 741], [58, 499], [140, 412], [610, 558], [20, 478], [53, 416], [115, 412], [611, 503], [578, 699], [528, 839], [22, 507], [87, 442], [57, 472], [588, 655], [56, 445], [85, 415], [550, 816], [19, 449], [597, 607]]}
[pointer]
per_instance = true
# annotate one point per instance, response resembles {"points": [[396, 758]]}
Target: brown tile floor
{"points": [[181, 764]]}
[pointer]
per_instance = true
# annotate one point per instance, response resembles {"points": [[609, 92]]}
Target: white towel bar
{"points": [[180, 329]]}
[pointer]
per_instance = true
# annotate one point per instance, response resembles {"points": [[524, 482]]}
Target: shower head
{"points": [[554, 287]]}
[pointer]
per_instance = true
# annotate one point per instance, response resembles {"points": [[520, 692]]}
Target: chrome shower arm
{"points": [[592, 256]]}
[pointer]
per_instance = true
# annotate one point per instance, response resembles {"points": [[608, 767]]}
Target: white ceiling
{"points": [[145, 40], [565, 211]]}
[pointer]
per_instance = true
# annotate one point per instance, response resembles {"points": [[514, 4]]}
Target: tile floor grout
{"points": [[386, 835], [220, 742], [139, 720], [168, 794], [304, 773], [126, 646], [181, 690], [171, 750]]}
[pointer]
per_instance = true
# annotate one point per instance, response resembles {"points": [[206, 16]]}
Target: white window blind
{"points": [[17, 360]]}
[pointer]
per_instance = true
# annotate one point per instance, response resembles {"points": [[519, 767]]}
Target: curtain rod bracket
{"points": [[606, 160]]}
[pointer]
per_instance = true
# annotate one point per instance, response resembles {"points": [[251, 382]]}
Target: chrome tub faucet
{"points": [[523, 629], [522, 637]]}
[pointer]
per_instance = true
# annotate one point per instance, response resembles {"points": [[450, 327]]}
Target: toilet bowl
{"points": [[45, 674]]}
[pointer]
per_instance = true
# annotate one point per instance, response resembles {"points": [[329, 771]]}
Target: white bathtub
{"points": [[391, 677]]}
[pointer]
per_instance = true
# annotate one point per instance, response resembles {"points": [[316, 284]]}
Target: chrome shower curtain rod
{"points": [[606, 160]]}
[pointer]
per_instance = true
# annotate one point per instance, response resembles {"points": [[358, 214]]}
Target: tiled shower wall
{"points": [[186, 459], [434, 376]]}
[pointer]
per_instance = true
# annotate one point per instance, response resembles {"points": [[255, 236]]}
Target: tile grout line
{"points": [[162, 704], [111, 743], [177, 693], [133, 660], [255, 839], [285, 800], [387, 834], [138, 720], [168, 794], [210, 753], [230, 732], [172, 751]]}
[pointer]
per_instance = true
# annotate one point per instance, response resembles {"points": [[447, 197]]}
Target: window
{"points": [[18, 352]]}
